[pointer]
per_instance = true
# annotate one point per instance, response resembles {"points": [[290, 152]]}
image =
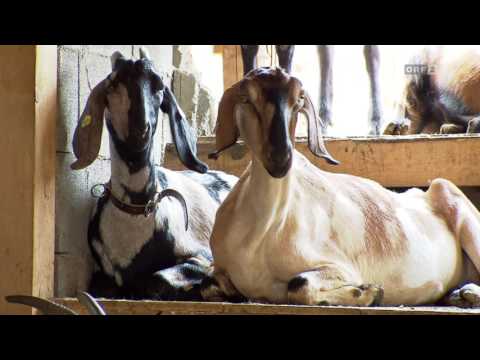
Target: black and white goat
{"points": [[149, 233]]}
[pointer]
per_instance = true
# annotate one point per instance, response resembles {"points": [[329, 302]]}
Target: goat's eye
{"points": [[244, 99], [300, 102], [111, 87]]}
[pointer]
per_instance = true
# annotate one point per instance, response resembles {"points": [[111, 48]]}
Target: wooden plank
{"points": [[401, 161], [44, 179], [28, 80], [127, 307], [232, 65]]}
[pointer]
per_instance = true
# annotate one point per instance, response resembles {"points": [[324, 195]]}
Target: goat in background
{"points": [[289, 232], [326, 53], [146, 248], [440, 94]]}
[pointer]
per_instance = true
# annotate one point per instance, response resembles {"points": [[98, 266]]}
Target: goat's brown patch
{"points": [[378, 214]]}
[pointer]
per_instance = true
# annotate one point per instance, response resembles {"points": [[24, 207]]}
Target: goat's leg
{"points": [[179, 282], [372, 59], [463, 219], [452, 129], [325, 55], [330, 286], [218, 287], [397, 127], [285, 56], [249, 57], [473, 125]]}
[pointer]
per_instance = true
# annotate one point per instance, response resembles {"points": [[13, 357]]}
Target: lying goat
{"points": [[289, 232], [143, 246], [441, 96], [325, 55]]}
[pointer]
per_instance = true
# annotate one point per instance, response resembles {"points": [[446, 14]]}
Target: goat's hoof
{"points": [[374, 294], [210, 290], [473, 126], [466, 297], [395, 128]]}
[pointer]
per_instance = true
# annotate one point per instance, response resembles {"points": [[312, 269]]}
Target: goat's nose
{"points": [[280, 157]]}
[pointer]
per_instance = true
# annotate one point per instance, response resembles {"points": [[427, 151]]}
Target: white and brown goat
{"points": [[144, 247], [289, 232]]}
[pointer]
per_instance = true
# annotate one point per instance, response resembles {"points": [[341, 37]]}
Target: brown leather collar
{"points": [[145, 209]]}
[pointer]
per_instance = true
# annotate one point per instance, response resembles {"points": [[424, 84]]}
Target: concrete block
{"points": [[72, 274], [98, 68], [67, 98], [108, 50], [71, 47], [72, 206], [182, 57], [161, 55], [206, 113], [185, 88]]}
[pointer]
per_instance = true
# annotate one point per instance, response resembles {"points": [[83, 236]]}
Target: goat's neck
{"points": [[133, 180], [270, 195]]}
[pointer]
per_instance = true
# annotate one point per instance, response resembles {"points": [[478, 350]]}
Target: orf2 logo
{"points": [[414, 69]]}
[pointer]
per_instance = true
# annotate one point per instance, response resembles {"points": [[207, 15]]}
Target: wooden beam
{"points": [[127, 307], [401, 161], [28, 84], [218, 49], [232, 65]]}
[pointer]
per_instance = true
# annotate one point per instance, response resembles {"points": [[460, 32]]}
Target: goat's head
{"points": [[130, 99], [422, 102], [262, 109]]}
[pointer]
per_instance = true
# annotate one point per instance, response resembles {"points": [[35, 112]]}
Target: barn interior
{"points": [[46, 205]]}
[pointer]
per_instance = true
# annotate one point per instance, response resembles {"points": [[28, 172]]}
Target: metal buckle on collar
{"points": [[95, 193], [149, 208]]}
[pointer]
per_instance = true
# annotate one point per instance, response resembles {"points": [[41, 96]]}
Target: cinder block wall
{"points": [[73, 203]]}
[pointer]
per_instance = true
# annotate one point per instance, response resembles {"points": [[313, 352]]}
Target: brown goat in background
{"points": [[442, 95]]}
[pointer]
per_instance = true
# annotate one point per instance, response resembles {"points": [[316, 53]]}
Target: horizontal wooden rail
{"points": [[127, 307], [393, 161]]}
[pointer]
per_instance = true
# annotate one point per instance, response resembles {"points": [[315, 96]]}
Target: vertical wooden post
{"points": [[28, 110], [232, 65]]}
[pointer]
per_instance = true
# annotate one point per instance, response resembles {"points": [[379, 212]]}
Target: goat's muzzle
{"points": [[140, 137], [279, 162]]}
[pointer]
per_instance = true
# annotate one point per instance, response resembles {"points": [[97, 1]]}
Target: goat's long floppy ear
{"points": [[182, 133], [226, 131], [315, 141], [88, 134]]}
